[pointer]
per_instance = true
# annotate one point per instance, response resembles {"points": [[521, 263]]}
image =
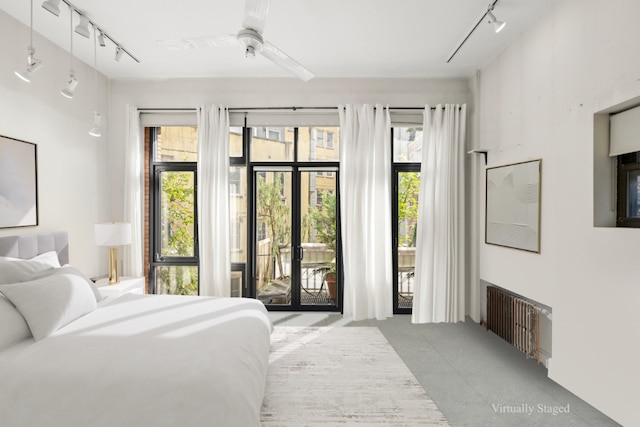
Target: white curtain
{"points": [[365, 199], [439, 273], [133, 193], [213, 201]]}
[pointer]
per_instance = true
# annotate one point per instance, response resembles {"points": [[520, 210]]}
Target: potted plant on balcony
{"points": [[323, 219]]}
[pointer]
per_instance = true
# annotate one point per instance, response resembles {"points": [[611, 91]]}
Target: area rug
{"points": [[341, 376]]}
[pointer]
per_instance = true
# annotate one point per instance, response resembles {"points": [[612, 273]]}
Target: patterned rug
{"points": [[339, 376]]}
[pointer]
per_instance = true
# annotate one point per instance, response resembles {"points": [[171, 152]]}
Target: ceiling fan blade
{"points": [[200, 42], [280, 58], [255, 14]]}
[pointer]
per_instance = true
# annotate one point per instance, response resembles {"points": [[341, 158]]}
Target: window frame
{"points": [[329, 140], [398, 167], [623, 168], [156, 168], [319, 137]]}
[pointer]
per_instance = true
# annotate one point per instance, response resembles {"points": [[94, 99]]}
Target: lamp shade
{"points": [[113, 234]]}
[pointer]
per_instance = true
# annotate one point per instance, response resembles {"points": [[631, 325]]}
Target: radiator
{"points": [[514, 319]]}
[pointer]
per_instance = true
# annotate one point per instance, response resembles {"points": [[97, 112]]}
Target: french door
{"points": [[296, 246], [405, 213]]}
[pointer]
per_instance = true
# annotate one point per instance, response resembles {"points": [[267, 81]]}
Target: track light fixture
{"points": [[33, 64], [498, 25], [83, 27], [72, 82], [119, 52], [95, 128], [52, 6], [70, 86], [101, 40]]}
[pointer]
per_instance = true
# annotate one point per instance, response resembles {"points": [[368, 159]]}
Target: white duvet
{"points": [[144, 360]]}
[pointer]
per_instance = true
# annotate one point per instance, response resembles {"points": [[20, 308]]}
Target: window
{"points": [[238, 213], [175, 144], [319, 173], [271, 145], [273, 134], [329, 140], [310, 144], [235, 182], [262, 231], [329, 174], [174, 245], [628, 214], [172, 250], [236, 146], [407, 144], [236, 235]]}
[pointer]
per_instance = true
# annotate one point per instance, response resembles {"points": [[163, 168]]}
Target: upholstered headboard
{"points": [[28, 246]]}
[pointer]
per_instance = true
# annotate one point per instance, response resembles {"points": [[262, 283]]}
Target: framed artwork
{"points": [[513, 206], [18, 183]]}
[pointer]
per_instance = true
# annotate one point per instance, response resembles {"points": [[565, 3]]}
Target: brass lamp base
{"points": [[114, 276]]}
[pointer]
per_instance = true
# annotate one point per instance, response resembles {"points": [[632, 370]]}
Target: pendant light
{"points": [[72, 82], [33, 64], [95, 128]]}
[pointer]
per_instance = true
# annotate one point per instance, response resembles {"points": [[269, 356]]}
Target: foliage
{"points": [[408, 190], [177, 232], [275, 212], [323, 221], [178, 280], [178, 213]]}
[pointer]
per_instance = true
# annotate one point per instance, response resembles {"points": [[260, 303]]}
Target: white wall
{"points": [[71, 179], [537, 100]]}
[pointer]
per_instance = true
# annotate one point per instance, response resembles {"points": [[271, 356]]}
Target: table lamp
{"points": [[113, 234]]}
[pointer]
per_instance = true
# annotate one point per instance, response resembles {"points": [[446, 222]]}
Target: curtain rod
{"points": [[249, 109]]}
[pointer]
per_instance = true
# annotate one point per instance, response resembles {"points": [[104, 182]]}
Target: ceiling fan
{"points": [[250, 37]]}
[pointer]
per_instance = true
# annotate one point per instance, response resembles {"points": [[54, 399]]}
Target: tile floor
{"points": [[474, 377]]}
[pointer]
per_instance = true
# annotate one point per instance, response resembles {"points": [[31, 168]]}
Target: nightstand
{"points": [[127, 285]]}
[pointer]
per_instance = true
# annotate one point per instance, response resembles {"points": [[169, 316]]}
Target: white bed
{"points": [[138, 360]]}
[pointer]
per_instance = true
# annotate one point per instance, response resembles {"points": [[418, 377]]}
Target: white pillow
{"points": [[49, 303], [13, 270], [67, 268], [13, 327]]}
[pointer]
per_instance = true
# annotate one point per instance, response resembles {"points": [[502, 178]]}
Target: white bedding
{"points": [[143, 360]]}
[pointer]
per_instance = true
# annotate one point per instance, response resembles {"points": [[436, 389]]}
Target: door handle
{"points": [[300, 253]]}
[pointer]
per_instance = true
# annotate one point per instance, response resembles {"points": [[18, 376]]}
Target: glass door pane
{"points": [[273, 235], [407, 208], [177, 214], [175, 263], [318, 237], [177, 279]]}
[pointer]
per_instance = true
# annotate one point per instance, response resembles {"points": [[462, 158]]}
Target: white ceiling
{"points": [[332, 38]]}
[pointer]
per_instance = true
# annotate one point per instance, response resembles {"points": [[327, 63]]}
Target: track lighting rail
{"points": [[98, 28], [492, 20]]}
